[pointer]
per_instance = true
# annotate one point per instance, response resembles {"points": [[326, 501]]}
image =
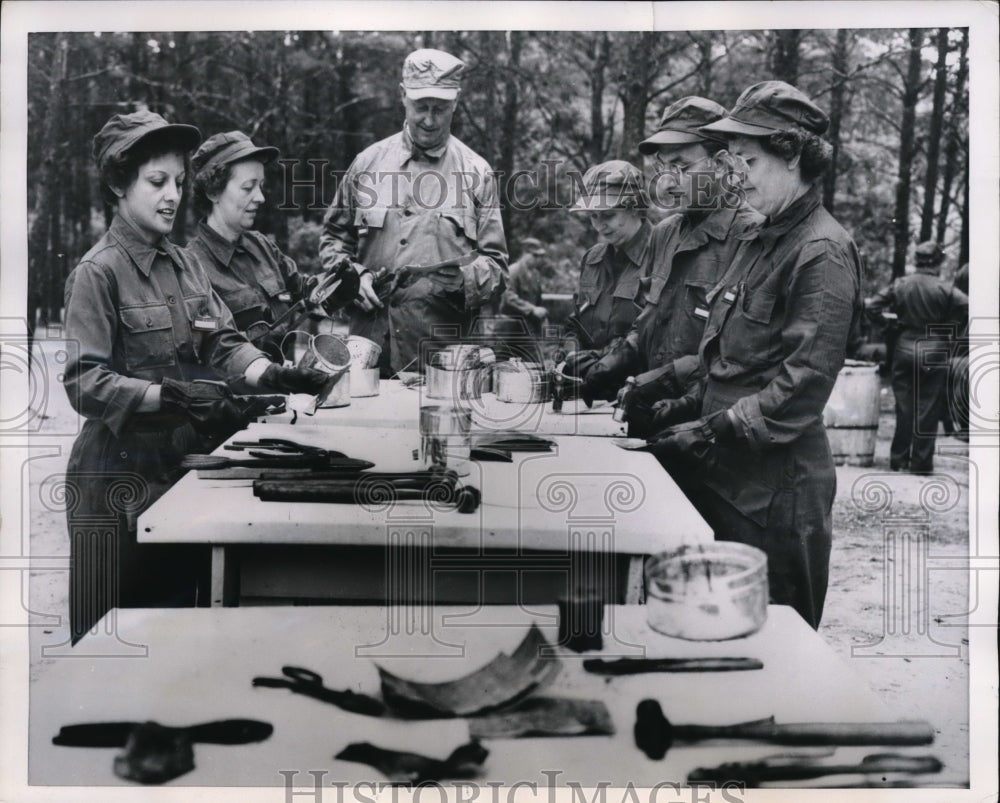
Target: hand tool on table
{"points": [[545, 716], [115, 734], [275, 454], [412, 768], [796, 768], [465, 499], [654, 733], [638, 666], [305, 681], [154, 753]]}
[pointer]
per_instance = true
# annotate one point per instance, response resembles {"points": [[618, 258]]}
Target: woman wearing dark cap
{"points": [[145, 324], [607, 299], [777, 334], [253, 277]]}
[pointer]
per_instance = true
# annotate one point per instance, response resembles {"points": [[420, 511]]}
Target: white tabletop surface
{"points": [[397, 406], [199, 664], [585, 489]]}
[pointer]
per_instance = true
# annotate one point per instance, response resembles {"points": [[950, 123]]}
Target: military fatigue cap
{"points": [[611, 185], [928, 253], [530, 245], [429, 73], [768, 108], [681, 124], [125, 131], [224, 149]]}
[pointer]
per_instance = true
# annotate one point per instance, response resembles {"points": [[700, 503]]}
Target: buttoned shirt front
{"points": [[138, 313], [608, 297], [254, 279]]}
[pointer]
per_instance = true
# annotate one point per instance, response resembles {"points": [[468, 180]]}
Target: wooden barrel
{"points": [[851, 414]]}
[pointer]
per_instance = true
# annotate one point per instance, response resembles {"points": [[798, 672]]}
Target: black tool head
{"points": [[652, 729], [467, 499]]}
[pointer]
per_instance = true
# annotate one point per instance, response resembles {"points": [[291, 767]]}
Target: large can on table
{"points": [[851, 414]]}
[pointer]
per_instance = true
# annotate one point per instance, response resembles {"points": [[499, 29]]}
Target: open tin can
{"points": [[707, 592]]}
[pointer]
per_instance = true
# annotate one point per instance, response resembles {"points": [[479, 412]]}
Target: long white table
{"points": [[397, 406], [200, 664], [587, 512]]}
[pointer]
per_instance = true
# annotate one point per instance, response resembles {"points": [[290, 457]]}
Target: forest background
{"points": [[539, 106]]}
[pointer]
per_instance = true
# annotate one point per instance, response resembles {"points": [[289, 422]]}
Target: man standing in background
{"points": [[931, 313], [418, 217]]}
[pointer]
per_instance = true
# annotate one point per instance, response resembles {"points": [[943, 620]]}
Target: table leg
{"points": [[224, 591], [635, 589]]}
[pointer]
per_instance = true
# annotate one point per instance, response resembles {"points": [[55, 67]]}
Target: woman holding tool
{"points": [[261, 286], [147, 326], [607, 300], [756, 458]]}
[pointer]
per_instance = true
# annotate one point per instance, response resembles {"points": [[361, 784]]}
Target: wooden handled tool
{"points": [[654, 733]]}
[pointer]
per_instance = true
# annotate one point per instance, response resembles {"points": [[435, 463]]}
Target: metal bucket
{"points": [[329, 354], [445, 438], [707, 593], [851, 414], [364, 352], [453, 386], [519, 382], [364, 381]]}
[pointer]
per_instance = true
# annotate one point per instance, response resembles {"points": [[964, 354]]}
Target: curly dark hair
{"points": [[210, 182], [120, 171], [813, 151]]}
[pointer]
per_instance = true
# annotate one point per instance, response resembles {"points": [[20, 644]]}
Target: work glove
{"points": [[577, 363], [293, 380], [604, 378], [668, 412], [688, 451], [209, 406]]}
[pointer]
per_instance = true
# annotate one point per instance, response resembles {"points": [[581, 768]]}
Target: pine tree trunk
{"points": [[508, 124], [911, 92], [785, 56], [840, 67], [44, 233], [934, 136], [635, 96], [957, 124], [602, 54]]}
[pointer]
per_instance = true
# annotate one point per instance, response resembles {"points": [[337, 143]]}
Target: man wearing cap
{"points": [[254, 278], [523, 297], [418, 216], [748, 441], [689, 253], [608, 297], [931, 313]]}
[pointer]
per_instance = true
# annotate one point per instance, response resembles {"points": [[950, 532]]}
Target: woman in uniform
{"points": [[608, 298], [253, 277], [756, 459], [145, 325]]}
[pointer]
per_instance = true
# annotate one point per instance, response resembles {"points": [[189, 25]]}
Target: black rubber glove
{"points": [[668, 412], [579, 362], [603, 379], [293, 380], [688, 451], [208, 405]]}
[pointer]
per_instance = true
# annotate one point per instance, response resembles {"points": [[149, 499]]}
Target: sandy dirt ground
{"points": [[895, 612]]}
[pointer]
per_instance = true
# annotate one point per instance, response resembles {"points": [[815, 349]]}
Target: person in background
{"points": [[608, 297], [523, 297], [256, 281], [931, 314], [146, 325], [689, 253], [417, 214], [755, 459]]}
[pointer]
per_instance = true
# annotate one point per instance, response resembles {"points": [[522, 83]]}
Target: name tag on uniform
{"points": [[284, 297], [205, 323], [362, 231], [701, 312], [729, 296]]}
